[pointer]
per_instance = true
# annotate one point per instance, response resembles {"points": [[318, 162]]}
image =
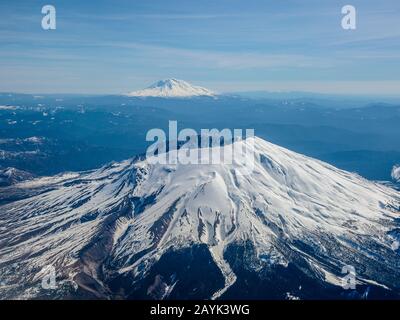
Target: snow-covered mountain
{"points": [[172, 88], [9, 176], [136, 229]]}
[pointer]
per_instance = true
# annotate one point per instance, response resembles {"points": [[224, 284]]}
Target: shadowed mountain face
{"points": [[138, 229]]}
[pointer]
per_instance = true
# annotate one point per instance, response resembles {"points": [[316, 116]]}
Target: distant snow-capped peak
{"points": [[169, 88]]}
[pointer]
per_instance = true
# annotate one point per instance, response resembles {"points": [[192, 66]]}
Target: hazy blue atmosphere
{"points": [[226, 45]]}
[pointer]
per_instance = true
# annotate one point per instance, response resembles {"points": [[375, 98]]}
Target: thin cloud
{"points": [[218, 59]]}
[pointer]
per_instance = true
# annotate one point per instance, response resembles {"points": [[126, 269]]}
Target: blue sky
{"points": [[225, 45]]}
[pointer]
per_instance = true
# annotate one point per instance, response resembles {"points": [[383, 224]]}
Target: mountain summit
{"points": [[136, 229], [172, 88]]}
